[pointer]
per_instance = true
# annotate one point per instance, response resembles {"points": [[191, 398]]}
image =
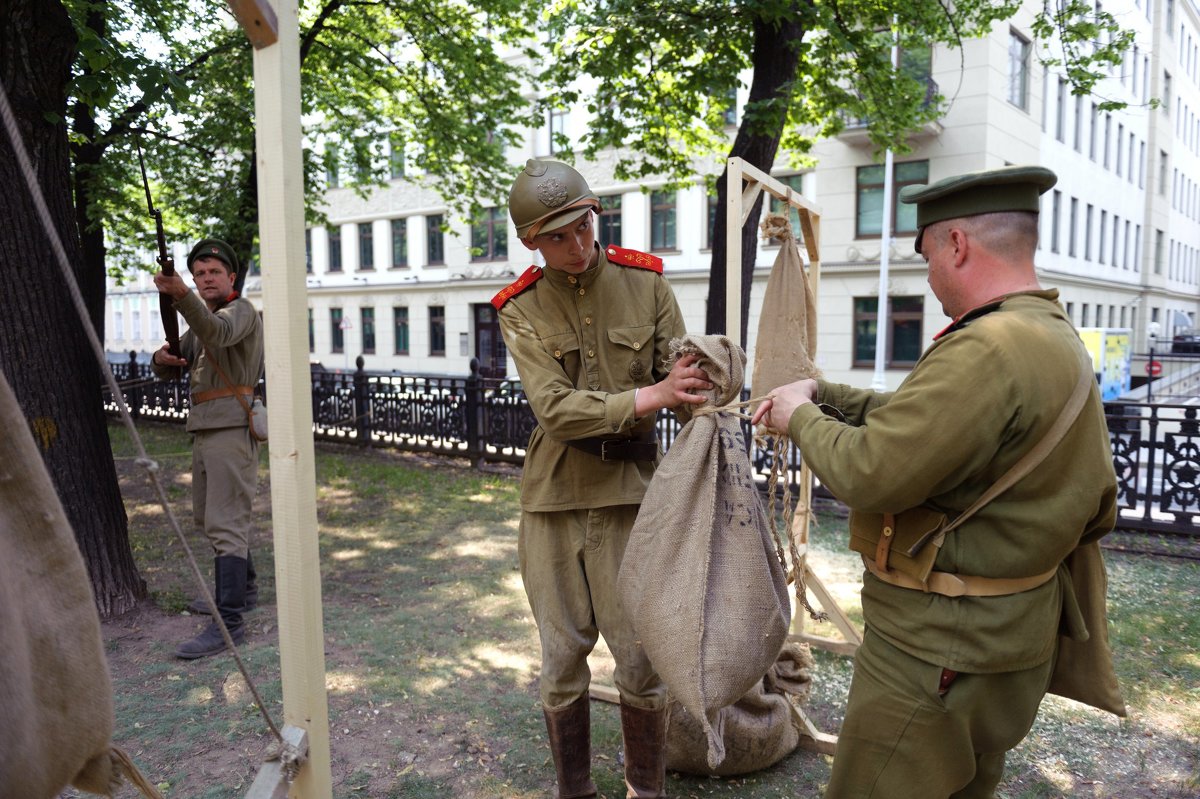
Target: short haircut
{"points": [[1008, 234]]}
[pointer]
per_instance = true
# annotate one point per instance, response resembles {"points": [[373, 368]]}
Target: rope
{"points": [[143, 460], [777, 446]]}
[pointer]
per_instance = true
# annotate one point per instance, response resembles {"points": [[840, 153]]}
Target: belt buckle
{"points": [[604, 449]]}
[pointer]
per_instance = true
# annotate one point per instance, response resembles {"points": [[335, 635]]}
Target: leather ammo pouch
{"points": [[907, 542]]}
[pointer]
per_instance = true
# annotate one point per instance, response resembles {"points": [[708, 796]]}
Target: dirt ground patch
{"points": [[432, 658]]}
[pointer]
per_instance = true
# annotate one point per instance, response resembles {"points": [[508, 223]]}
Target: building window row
{"points": [[1118, 243]]}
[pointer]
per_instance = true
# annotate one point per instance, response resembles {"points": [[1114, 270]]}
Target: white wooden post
{"points": [[293, 472]]}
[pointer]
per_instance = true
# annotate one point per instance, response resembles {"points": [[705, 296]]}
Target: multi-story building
{"points": [[396, 278]]}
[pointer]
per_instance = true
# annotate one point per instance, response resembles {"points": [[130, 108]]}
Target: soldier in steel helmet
{"points": [[590, 334], [998, 428], [224, 334]]}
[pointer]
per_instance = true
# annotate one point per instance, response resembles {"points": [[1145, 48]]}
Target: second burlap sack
{"points": [[702, 580]]}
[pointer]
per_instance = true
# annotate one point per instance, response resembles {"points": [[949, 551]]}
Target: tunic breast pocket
{"points": [[562, 347], [634, 346]]}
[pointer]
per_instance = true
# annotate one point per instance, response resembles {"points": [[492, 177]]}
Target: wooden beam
{"points": [[605, 693], [291, 450], [813, 739], [257, 19]]}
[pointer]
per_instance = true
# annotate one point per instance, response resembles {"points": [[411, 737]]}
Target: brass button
{"points": [[587, 320], [887, 531], [612, 251], [637, 345], [581, 292], [558, 353], [572, 281], [591, 353]]}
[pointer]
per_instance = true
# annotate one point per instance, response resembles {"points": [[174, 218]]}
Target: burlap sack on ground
{"points": [[787, 326], [702, 581], [56, 713], [759, 730]]}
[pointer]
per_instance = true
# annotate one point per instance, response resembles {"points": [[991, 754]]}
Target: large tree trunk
{"points": [[43, 349], [86, 155], [776, 58]]}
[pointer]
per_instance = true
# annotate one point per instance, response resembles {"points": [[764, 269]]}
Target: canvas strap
{"points": [[955, 585]]}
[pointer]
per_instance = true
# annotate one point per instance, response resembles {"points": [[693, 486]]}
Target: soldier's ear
{"points": [[529, 245]]}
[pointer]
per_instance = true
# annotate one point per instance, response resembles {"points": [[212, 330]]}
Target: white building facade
{"points": [[394, 278]]}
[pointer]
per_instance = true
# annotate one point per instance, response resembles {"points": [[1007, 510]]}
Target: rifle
{"points": [[166, 305]]}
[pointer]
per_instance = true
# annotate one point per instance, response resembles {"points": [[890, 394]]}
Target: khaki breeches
{"points": [[901, 740], [224, 479], [569, 563]]}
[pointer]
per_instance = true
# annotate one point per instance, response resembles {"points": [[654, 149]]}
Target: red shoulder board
{"points": [[634, 258], [532, 275]]}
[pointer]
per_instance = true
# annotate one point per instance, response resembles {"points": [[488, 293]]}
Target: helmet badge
{"points": [[551, 193]]}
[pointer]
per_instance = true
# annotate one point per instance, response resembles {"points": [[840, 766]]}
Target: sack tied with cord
{"points": [[702, 580]]}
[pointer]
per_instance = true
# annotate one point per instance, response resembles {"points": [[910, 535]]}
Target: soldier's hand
{"points": [[163, 357], [171, 285], [776, 410], [679, 387]]}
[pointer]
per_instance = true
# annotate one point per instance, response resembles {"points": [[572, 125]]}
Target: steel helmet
{"points": [[548, 195]]}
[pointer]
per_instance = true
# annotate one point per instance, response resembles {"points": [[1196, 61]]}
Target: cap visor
{"points": [[563, 219]]}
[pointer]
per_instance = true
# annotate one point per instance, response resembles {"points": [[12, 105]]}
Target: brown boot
{"points": [[570, 732], [645, 733]]}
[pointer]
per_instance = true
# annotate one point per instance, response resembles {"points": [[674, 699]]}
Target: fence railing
{"points": [[1156, 447]]}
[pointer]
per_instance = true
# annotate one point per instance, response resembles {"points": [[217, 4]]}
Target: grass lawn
{"points": [[432, 656]]}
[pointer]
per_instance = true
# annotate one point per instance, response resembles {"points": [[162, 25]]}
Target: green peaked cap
{"points": [[1010, 188]]}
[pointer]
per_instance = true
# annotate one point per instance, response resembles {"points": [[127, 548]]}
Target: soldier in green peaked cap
{"points": [[998, 429]]}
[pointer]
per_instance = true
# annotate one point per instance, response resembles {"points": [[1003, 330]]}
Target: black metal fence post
{"points": [[362, 404], [474, 392], [134, 395]]}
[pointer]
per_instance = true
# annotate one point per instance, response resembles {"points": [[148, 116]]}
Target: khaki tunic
{"points": [[983, 394], [224, 455], [582, 344]]}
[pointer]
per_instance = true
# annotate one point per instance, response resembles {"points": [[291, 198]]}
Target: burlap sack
{"points": [[758, 731], [702, 581], [56, 713], [787, 326]]}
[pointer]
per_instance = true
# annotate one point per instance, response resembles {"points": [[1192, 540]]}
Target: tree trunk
{"points": [[86, 157], [775, 59], [43, 349]]}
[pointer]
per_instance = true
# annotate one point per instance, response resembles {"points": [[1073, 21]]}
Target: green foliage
{"points": [[439, 76], [663, 70]]}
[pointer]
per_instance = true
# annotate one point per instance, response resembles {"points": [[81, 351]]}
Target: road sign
{"points": [[1153, 368]]}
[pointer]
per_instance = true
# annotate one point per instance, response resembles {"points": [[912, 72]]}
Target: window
{"points": [[1103, 233], [1158, 252], [1095, 120], [434, 253], [366, 246], [308, 250], [1087, 233], [1107, 136], [396, 156], [119, 325], [437, 329], [730, 113], [336, 334], [332, 173], [1142, 165], [1074, 221], [1079, 123], [904, 329], [400, 329], [1120, 147], [710, 216], [662, 220], [1084, 317], [335, 249], [312, 337], [558, 131], [136, 315], [608, 223], [1129, 163], [1060, 113], [489, 236], [1018, 70], [1116, 237], [367, 317], [399, 243], [870, 198], [796, 183], [1055, 213], [1166, 93]]}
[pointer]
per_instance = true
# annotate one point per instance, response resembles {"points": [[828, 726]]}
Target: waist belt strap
{"points": [[948, 584], [642, 446], [217, 393]]}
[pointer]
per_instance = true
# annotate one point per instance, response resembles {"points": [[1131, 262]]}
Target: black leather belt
{"points": [[641, 446]]}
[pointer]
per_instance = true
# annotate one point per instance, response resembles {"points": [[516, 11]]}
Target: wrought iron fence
{"points": [[1156, 447]]}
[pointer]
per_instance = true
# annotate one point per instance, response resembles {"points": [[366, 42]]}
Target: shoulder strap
{"points": [[1038, 453], [640, 260], [531, 275]]}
